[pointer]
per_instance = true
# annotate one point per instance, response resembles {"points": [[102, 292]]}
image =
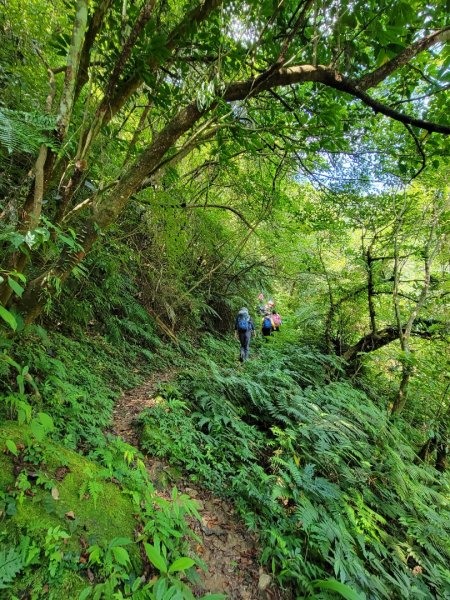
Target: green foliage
{"points": [[74, 382], [313, 466], [8, 317], [11, 564], [24, 132], [343, 590], [51, 523]]}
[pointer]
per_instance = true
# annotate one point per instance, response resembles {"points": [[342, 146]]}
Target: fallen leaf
{"points": [[83, 543], [70, 515], [61, 472], [55, 493], [90, 575]]}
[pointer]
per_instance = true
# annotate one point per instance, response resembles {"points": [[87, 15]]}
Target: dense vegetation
{"points": [[161, 164]]}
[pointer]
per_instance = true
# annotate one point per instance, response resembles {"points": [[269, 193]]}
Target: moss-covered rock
{"points": [[66, 490]]}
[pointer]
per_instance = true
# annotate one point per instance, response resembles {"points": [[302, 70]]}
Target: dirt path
{"points": [[226, 547]]}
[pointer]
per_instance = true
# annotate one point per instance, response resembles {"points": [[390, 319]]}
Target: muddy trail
{"points": [[228, 549]]}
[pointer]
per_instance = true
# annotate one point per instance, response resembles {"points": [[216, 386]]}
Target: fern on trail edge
{"points": [[11, 563], [314, 466]]}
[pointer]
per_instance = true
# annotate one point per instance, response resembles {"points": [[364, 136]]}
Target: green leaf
{"points": [[121, 555], [8, 317], [11, 447], [120, 541], [160, 588], [37, 430], [31, 239], [181, 564], [47, 421], [18, 289], [85, 593], [341, 588], [155, 558], [20, 276], [95, 554]]}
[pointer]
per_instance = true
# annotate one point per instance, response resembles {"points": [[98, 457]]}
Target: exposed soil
{"points": [[226, 546]]}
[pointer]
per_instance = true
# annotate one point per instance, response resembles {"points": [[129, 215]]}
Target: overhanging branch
{"points": [[380, 74], [331, 78]]}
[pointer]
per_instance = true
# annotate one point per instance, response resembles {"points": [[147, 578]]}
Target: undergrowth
{"points": [[75, 380], [313, 466], [75, 528]]}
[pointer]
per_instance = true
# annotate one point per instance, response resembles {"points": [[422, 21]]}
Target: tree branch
{"points": [[222, 207], [376, 340], [94, 27], [190, 22], [420, 150], [380, 74], [329, 77], [73, 63]]}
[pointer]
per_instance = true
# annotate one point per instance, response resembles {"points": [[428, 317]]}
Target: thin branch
{"points": [[190, 22], [32, 218], [220, 206], [380, 74], [419, 148], [95, 24], [417, 98]]}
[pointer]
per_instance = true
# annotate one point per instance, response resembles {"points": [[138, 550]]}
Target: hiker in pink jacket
{"points": [[276, 319]]}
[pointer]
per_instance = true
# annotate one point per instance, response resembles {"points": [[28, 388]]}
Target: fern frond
{"points": [[23, 131], [11, 563]]}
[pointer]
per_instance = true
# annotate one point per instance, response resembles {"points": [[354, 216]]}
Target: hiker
{"points": [[276, 319], [260, 307], [269, 306], [267, 326], [243, 329]]}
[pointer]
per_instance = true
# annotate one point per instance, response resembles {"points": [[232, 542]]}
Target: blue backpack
{"points": [[267, 323], [243, 322]]}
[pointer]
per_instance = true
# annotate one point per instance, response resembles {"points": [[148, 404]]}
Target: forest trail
{"points": [[227, 548]]}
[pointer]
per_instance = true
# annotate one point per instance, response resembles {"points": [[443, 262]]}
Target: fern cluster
{"points": [[313, 466], [76, 381], [24, 131]]}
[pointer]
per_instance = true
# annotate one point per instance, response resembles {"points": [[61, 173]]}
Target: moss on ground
{"points": [[99, 516]]}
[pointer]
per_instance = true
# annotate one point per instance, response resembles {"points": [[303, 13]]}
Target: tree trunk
{"points": [[427, 449], [401, 397], [441, 457], [370, 291]]}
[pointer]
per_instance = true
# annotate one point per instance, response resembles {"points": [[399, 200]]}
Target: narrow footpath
{"points": [[226, 547]]}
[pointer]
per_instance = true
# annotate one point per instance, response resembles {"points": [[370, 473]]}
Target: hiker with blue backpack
{"points": [[267, 325], [243, 329]]}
